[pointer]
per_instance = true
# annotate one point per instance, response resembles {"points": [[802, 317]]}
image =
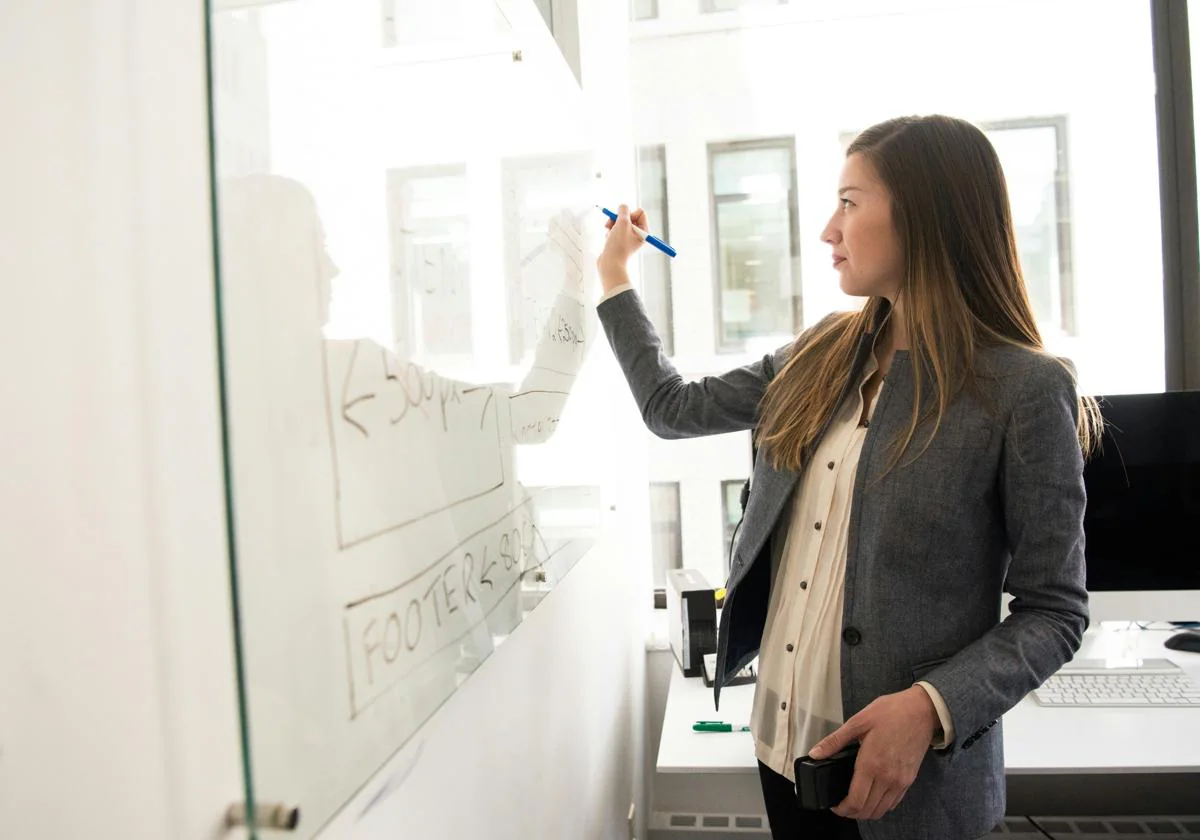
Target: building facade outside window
{"points": [[1033, 153], [666, 538], [1072, 118], [656, 266], [755, 234]]}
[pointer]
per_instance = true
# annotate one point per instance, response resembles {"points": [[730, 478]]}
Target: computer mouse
{"points": [[1188, 640]]}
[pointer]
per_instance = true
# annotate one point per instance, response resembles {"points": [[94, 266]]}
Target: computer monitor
{"points": [[1142, 523]]}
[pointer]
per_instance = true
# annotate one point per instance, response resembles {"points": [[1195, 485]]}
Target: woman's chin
{"points": [[857, 288], [849, 287]]}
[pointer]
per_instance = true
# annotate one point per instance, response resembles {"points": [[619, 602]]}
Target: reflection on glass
{"points": [[534, 189], [754, 200], [655, 269], [431, 260], [380, 446], [666, 549]]}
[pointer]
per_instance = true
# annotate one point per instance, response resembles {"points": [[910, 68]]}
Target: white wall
{"points": [[117, 714], [117, 689], [660, 661], [812, 71]]}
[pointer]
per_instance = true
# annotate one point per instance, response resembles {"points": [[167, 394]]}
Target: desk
{"points": [[1137, 761]]}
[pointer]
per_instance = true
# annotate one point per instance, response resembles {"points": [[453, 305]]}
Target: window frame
{"points": [[662, 226], [1062, 201], [1176, 131], [660, 592], [778, 142]]}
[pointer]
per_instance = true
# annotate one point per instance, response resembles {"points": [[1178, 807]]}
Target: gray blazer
{"points": [[995, 503]]}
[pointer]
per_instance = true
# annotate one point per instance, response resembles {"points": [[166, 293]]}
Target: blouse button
{"points": [[830, 465], [791, 647], [817, 525]]}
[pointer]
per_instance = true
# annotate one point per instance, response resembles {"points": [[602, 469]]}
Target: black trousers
{"points": [[791, 822]]}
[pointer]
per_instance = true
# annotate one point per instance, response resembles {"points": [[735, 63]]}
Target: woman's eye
{"points": [[845, 202]]}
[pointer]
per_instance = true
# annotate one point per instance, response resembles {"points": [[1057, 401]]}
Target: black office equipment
{"points": [[691, 619], [1142, 523], [1188, 640]]}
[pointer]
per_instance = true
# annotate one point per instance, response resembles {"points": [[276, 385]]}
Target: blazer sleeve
{"points": [[670, 406], [1042, 492]]}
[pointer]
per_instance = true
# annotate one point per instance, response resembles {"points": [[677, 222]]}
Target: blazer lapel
{"points": [[770, 489]]}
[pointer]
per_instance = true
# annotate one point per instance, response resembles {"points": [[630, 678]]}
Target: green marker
{"points": [[719, 726]]}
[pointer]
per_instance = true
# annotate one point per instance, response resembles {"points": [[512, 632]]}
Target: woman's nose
{"points": [[832, 234]]}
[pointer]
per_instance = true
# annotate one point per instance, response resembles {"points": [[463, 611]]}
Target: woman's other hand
{"points": [[893, 732], [621, 244]]}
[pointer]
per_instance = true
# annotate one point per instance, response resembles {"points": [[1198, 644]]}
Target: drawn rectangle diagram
{"points": [[392, 633], [406, 442]]}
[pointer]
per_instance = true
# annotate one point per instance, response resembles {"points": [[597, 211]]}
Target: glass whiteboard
{"points": [[415, 437]]}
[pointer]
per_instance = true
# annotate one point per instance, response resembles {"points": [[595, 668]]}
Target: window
{"points": [[665, 536], [755, 220], [1033, 153], [731, 515], [1097, 282], [655, 267], [431, 261], [643, 9]]}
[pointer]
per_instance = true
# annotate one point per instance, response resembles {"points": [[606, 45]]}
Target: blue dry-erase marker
{"points": [[650, 238]]}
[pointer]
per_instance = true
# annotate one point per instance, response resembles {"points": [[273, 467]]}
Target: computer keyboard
{"points": [[1153, 682]]}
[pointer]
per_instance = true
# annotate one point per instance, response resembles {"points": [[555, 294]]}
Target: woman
{"points": [[916, 458]]}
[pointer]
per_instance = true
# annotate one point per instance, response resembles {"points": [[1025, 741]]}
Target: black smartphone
{"points": [[823, 783]]}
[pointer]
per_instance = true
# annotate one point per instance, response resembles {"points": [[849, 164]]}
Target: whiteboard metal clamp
{"points": [[274, 815]]}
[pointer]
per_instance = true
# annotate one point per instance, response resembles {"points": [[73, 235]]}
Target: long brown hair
{"points": [[962, 287]]}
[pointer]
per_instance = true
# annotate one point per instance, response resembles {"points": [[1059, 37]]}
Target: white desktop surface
{"points": [[1037, 739]]}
